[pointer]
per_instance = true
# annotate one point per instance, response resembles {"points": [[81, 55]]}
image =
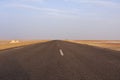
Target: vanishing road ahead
{"points": [[59, 60]]}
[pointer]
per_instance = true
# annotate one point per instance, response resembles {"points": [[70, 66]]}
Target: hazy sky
{"points": [[60, 19]]}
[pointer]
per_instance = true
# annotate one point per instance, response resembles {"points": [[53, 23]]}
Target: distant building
{"points": [[14, 41]]}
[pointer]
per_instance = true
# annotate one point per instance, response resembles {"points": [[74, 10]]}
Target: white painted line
{"points": [[61, 52]]}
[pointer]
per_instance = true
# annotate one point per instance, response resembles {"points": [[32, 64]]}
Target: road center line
{"points": [[61, 52]]}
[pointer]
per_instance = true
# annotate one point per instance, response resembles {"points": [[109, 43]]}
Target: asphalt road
{"points": [[59, 60]]}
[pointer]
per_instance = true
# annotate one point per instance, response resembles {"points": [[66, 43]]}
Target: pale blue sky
{"points": [[60, 19]]}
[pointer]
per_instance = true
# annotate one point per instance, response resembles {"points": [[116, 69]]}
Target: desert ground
{"points": [[109, 44], [6, 44]]}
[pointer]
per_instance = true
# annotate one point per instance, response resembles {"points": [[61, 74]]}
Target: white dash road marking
{"points": [[61, 52]]}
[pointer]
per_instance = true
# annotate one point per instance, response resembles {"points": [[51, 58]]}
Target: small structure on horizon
{"points": [[14, 41]]}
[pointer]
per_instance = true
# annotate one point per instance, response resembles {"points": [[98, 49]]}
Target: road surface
{"points": [[59, 60]]}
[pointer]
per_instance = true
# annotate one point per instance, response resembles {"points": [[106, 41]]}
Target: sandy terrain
{"points": [[6, 44], [110, 44]]}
